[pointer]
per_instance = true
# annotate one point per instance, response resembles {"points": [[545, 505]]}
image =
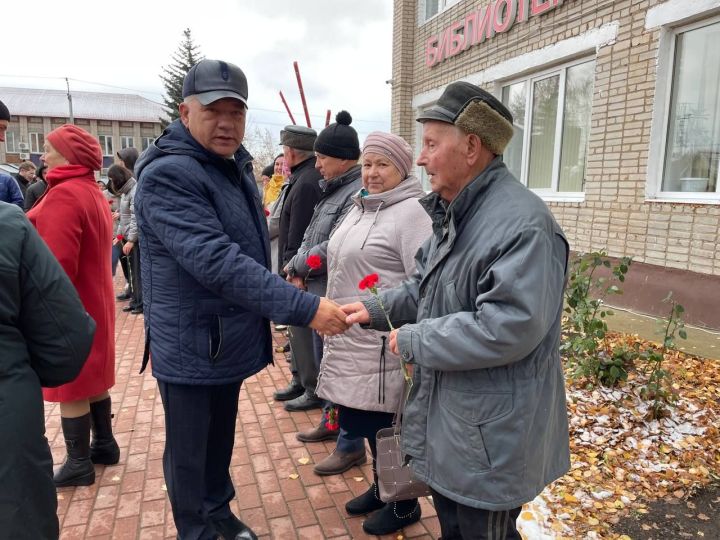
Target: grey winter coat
{"points": [[127, 225], [486, 421], [380, 234], [334, 203]]}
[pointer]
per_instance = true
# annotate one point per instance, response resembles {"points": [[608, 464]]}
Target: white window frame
{"points": [[106, 143], [127, 141], [442, 6], [551, 193], [10, 135], [147, 142], [661, 117], [35, 146]]}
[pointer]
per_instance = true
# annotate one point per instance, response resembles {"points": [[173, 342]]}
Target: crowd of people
{"points": [[460, 330]]}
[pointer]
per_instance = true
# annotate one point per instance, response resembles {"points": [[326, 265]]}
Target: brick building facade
{"points": [[617, 121], [117, 120]]}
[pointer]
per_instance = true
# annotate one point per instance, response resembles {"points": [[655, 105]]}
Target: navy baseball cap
{"points": [[210, 80]]}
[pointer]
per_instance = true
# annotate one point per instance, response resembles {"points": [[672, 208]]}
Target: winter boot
{"points": [[368, 501], [77, 470], [365, 503], [392, 517], [104, 449]]}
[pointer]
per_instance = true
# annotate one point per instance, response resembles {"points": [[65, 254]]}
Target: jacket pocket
{"points": [[451, 301], [463, 419], [215, 338], [211, 316]]}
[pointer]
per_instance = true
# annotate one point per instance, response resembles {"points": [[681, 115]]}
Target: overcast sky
{"points": [[343, 47]]}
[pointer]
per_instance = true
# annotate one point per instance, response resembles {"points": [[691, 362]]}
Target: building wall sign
{"points": [[482, 24]]}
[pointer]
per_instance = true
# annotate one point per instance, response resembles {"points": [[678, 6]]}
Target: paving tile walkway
{"points": [[129, 500]]}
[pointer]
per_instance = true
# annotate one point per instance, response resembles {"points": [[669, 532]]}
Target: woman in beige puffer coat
{"points": [[380, 234]]}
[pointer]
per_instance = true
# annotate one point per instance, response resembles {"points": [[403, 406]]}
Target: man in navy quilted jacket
{"points": [[208, 291]]}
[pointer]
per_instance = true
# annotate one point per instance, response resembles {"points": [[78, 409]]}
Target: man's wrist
{"points": [[404, 343]]}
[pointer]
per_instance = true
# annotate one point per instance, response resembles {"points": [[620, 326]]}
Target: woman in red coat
{"points": [[74, 219]]}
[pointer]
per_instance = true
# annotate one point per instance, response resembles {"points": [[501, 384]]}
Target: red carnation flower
{"points": [[369, 282], [267, 212], [120, 237], [314, 262]]}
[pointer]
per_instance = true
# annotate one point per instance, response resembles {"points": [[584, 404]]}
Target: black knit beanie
{"points": [[339, 140], [4, 113]]}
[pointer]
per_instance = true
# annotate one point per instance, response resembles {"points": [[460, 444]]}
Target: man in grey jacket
{"points": [[485, 425]]}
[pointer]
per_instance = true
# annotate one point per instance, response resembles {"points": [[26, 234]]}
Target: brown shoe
{"points": [[318, 434], [339, 462]]}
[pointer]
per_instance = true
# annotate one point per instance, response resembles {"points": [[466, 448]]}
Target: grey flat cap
{"points": [[299, 137]]}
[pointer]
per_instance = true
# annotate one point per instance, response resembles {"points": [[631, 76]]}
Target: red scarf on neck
{"points": [[59, 174]]}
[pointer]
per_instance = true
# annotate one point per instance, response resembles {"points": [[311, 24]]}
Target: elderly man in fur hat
{"points": [[485, 425]]}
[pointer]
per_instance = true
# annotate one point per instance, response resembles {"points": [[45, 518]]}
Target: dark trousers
{"points": [[199, 439], [124, 264], [460, 522], [303, 351], [115, 257], [135, 281]]}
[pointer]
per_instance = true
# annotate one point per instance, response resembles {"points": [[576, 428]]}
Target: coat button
{"points": [[406, 355]]}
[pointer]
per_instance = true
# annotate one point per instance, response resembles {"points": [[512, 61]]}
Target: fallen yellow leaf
{"points": [[358, 478], [593, 521], [570, 498], [527, 516], [294, 476], [304, 461], [115, 478]]}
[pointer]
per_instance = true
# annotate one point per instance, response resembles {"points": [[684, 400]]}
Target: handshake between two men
{"points": [[331, 319]]}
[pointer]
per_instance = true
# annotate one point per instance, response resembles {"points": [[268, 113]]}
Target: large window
{"points": [[551, 114], [10, 142], [37, 141], [127, 142], [147, 141], [106, 143], [692, 130]]}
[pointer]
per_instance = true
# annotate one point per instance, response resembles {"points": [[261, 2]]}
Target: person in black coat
{"points": [[45, 338], [297, 201], [37, 189]]}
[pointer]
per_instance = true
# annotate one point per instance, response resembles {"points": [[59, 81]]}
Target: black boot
{"points": [[292, 391], [104, 449], [392, 517], [368, 501], [365, 503], [231, 528], [77, 470]]}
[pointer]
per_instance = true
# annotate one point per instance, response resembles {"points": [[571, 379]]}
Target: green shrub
{"points": [[658, 389], [585, 328]]}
